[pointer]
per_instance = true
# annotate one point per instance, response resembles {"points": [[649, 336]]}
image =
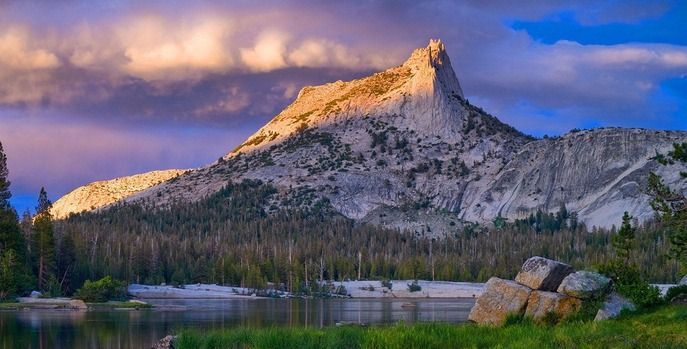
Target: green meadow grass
{"points": [[665, 327]]}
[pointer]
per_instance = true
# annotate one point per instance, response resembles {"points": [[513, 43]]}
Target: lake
{"points": [[124, 329]]}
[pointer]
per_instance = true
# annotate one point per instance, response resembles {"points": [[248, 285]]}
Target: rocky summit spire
{"points": [[434, 58]]}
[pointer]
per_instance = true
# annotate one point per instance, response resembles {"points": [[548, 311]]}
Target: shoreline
{"points": [[368, 289], [365, 289]]}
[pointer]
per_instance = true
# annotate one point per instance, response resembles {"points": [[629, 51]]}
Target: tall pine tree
{"points": [[623, 242], [44, 242]]}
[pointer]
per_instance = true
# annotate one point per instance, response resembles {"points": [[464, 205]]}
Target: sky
{"points": [[97, 89]]}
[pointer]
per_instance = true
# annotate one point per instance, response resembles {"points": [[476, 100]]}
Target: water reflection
{"points": [[119, 329]]}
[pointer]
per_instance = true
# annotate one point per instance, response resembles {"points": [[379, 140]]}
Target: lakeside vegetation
{"points": [[657, 328]]}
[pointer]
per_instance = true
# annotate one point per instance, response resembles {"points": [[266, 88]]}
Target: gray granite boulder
{"points": [[499, 299], [165, 343], [542, 303], [612, 307], [585, 285], [539, 273]]}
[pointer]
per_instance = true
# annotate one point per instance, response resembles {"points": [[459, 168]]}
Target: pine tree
{"points": [[671, 205], [623, 241], [12, 246], [8, 277], [66, 263], [5, 193], [44, 242]]}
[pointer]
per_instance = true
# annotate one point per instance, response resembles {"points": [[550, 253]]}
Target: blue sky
{"points": [[93, 90]]}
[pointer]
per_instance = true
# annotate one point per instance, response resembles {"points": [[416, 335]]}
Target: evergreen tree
{"points": [[8, 277], [66, 263], [670, 205], [5, 193], [623, 241], [44, 242], [12, 246]]}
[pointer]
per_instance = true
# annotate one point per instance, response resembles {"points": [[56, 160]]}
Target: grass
{"points": [[665, 327], [10, 306]]}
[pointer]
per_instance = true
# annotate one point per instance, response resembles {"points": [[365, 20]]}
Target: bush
{"points": [[103, 290], [629, 283], [387, 283], [621, 273], [642, 294], [414, 287], [341, 290], [676, 292]]}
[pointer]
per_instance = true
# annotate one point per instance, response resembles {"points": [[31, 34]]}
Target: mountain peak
{"points": [[434, 60]]}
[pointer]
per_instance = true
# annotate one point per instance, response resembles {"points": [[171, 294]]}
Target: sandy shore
{"points": [[193, 291], [356, 289]]}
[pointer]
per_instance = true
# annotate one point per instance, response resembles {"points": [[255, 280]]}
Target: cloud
{"points": [[234, 100], [268, 52], [183, 63], [156, 48], [18, 53]]}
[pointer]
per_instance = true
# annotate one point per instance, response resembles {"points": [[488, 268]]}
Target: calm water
{"points": [[140, 329]]}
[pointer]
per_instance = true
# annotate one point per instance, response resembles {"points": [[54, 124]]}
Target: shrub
{"points": [[414, 287], [341, 290], [103, 290], [621, 273], [629, 283], [387, 283], [642, 294], [676, 292]]}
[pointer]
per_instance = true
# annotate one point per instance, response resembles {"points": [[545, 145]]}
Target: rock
{"points": [[165, 343], [683, 281], [584, 285], [102, 193], [500, 298], [76, 304], [543, 274], [612, 307], [35, 294], [541, 303]]}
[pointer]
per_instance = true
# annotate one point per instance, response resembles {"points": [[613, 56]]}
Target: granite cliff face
{"points": [[403, 148], [102, 193]]}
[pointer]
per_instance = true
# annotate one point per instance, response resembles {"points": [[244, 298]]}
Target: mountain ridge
{"points": [[99, 194], [403, 148]]}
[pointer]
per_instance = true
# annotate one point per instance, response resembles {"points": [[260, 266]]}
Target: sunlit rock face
{"points": [[98, 194], [404, 149]]}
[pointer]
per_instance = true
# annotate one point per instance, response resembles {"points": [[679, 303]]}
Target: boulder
{"points": [[585, 285], [539, 273], [541, 303], [612, 307], [76, 304], [683, 281], [500, 298], [165, 343], [35, 294]]}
